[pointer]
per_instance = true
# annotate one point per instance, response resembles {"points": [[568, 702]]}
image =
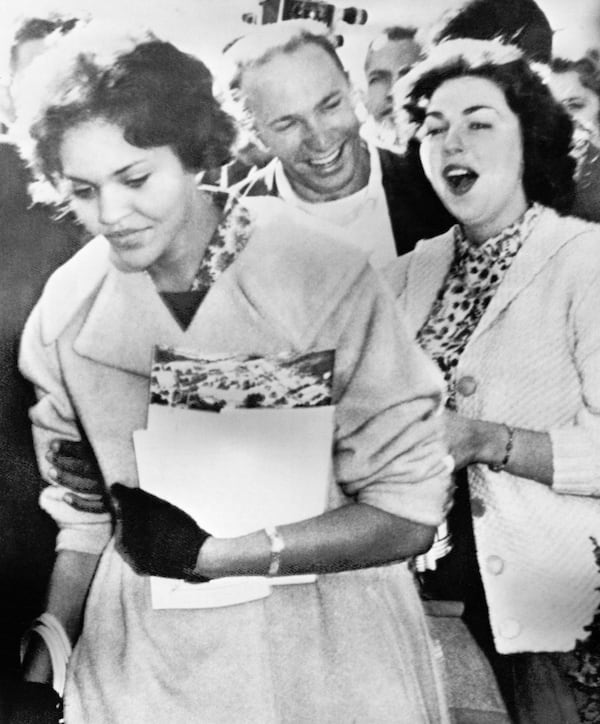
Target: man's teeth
{"points": [[325, 160]]}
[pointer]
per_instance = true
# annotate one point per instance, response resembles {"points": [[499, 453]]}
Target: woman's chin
{"points": [[128, 266]]}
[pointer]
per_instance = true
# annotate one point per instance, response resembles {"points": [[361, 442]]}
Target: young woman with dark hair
{"points": [[506, 304]]}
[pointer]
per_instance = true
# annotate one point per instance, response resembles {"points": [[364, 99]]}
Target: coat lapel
{"points": [[426, 272], [126, 319]]}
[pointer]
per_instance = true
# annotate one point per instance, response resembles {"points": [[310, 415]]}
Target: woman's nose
{"points": [[112, 206], [453, 140]]}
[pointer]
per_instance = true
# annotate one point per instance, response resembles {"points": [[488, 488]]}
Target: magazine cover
{"points": [[184, 379]]}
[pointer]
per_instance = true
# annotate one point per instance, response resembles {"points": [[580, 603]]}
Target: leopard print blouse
{"points": [[470, 285]]}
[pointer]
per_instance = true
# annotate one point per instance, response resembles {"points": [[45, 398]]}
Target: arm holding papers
{"points": [[388, 460]]}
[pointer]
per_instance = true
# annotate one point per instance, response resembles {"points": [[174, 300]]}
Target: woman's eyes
{"points": [[471, 126], [87, 193], [137, 181], [479, 125], [82, 192]]}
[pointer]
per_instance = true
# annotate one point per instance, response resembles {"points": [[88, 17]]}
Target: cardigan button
{"points": [[466, 386], [494, 565], [510, 628]]}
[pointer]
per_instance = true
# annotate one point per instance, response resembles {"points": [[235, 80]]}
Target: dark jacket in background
{"points": [[415, 210], [32, 246]]}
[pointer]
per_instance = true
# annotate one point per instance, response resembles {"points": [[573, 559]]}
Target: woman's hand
{"points": [[74, 466], [155, 537], [479, 441], [474, 441]]}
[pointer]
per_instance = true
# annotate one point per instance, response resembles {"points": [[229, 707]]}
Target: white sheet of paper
{"points": [[235, 472]]}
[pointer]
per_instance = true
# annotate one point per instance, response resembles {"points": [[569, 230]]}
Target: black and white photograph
{"points": [[300, 376]]}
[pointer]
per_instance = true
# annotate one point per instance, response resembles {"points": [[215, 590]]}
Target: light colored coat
{"points": [[87, 348], [533, 362]]}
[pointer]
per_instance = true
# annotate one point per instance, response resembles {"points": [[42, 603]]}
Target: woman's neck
{"points": [[479, 233], [176, 271]]}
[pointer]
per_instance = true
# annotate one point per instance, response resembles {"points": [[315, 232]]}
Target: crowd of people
{"points": [[446, 250]]}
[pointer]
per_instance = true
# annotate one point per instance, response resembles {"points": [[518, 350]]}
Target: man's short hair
{"points": [[393, 33], [259, 46]]}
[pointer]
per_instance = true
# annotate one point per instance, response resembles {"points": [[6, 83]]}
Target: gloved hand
{"points": [[26, 702], [74, 466], [155, 537]]}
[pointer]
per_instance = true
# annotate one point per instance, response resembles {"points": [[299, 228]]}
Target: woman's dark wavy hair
{"points": [[546, 128], [158, 96]]}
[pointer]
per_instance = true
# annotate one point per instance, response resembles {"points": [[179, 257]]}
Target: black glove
{"points": [[26, 702], [155, 537]]}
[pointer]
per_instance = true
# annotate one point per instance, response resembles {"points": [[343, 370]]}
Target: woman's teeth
{"points": [[460, 179]]}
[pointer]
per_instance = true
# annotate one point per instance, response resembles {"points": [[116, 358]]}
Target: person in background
{"points": [[506, 303], [122, 125], [389, 56], [519, 22], [35, 239], [576, 84], [290, 86]]}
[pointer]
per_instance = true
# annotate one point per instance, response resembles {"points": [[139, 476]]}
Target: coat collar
{"points": [[432, 259], [287, 283], [125, 320]]}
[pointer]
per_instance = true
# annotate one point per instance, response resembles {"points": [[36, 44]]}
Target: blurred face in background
{"points": [[303, 113], [472, 154], [582, 104], [387, 61]]}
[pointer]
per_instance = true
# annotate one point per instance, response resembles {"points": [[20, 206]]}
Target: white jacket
{"points": [[533, 362]]}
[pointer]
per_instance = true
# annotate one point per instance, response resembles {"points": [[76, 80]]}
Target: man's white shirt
{"points": [[362, 219]]}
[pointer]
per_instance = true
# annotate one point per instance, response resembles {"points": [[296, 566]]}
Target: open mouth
{"points": [[323, 163], [460, 179]]}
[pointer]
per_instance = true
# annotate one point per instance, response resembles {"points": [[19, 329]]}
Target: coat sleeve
{"points": [[576, 449], [390, 446], [53, 417]]}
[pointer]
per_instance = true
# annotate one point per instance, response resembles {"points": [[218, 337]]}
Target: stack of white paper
{"points": [[235, 472]]}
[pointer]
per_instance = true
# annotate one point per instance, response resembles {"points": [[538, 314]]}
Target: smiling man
{"points": [[294, 89]]}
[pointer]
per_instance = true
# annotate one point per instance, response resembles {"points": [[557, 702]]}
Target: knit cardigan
{"points": [[533, 362]]}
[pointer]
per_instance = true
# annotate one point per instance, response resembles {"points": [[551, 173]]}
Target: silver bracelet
{"points": [[277, 547], [499, 467], [52, 633]]}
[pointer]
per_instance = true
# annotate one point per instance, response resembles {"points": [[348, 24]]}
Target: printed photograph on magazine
{"points": [[185, 379]]}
